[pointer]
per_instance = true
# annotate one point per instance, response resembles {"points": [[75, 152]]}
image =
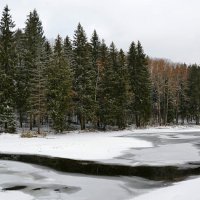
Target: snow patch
{"points": [[168, 129], [180, 191], [171, 154], [14, 195]]}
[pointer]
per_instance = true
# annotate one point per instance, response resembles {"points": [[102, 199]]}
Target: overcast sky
{"points": [[166, 28]]}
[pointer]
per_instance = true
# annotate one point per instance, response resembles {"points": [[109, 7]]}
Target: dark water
{"points": [[57, 178], [158, 173]]}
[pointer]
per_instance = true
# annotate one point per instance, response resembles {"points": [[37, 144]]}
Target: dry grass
{"points": [[31, 134]]}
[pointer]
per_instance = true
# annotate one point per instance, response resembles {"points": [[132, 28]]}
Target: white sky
{"points": [[166, 28]]}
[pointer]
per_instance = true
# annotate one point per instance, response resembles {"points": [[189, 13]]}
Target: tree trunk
{"points": [[96, 84], [20, 119], [82, 121], [31, 122], [159, 112], [197, 120], [6, 126], [137, 120], [177, 115], [39, 123]]}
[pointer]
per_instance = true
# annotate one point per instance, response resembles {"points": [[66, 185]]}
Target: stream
{"points": [[45, 183]]}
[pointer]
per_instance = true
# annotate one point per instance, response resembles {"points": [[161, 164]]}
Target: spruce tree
{"points": [[184, 99], [7, 71], [103, 63], [140, 84], [84, 78], [21, 97], [35, 63], [59, 87], [95, 57], [48, 50], [122, 94], [68, 52], [107, 86], [131, 62], [118, 86], [95, 45], [194, 92], [114, 77]]}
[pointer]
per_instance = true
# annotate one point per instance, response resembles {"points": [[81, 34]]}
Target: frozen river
{"points": [[157, 154], [20, 181]]}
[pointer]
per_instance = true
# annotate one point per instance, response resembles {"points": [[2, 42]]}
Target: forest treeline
{"points": [[85, 82]]}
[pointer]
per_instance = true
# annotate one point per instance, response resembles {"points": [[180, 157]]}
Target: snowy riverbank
{"points": [[99, 146], [83, 146]]}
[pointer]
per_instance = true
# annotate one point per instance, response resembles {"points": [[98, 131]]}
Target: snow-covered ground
{"points": [[151, 146], [180, 191], [84, 146], [14, 195], [168, 129]]}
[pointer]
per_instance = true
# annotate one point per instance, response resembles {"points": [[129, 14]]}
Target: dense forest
{"points": [[86, 83]]}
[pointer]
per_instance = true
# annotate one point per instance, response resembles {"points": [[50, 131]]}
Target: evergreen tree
{"points": [[114, 79], [107, 89], [194, 92], [69, 54], [95, 56], [103, 63], [48, 50], [59, 87], [84, 78], [184, 99], [122, 90], [35, 63], [140, 84], [131, 61], [95, 45], [118, 87], [21, 97], [7, 71]]}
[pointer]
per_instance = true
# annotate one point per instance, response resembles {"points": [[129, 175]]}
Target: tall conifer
{"points": [[84, 78], [21, 97], [140, 84], [35, 63], [194, 92], [7, 71], [59, 87]]}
